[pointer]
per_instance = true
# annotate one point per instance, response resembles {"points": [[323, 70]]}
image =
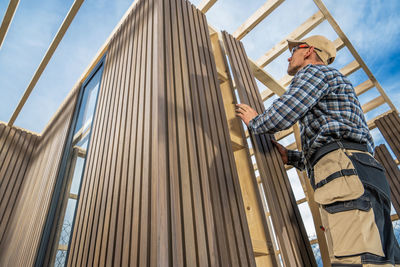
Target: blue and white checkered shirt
{"points": [[326, 106]]}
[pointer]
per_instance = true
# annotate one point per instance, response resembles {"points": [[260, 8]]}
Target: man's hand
{"points": [[282, 150], [246, 113]]}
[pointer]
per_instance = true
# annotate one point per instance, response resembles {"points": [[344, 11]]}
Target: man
{"points": [[349, 184]]}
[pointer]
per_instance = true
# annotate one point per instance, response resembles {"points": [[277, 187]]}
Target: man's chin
{"points": [[291, 72]]}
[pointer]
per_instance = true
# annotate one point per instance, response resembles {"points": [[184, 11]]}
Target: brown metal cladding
{"points": [[392, 174], [289, 227], [160, 185], [21, 238], [16, 148], [389, 126]]}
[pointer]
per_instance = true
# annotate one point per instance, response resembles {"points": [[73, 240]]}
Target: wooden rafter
{"points": [[205, 5], [363, 87], [350, 68], [301, 31], [50, 51], [374, 103], [256, 18], [12, 7]]}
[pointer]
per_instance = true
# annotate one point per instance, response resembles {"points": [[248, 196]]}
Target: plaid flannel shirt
{"points": [[326, 106]]}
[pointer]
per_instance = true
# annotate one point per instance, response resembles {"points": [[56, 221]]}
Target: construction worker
{"points": [[349, 184]]}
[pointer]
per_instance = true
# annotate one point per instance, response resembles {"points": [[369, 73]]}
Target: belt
{"points": [[334, 146]]}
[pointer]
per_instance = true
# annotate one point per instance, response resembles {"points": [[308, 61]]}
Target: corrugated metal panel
{"points": [[160, 185], [389, 126], [289, 227], [21, 239], [392, 174], [16, 148]]}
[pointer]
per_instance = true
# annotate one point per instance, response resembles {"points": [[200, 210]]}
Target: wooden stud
{"points": [[49, 53], [266, 9], [8, 16], [374, 103], [205, 5]]}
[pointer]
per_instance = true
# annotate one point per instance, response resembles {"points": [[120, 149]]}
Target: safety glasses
{"points": [[294, 49]]}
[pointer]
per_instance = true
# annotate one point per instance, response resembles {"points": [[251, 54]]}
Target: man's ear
{"points": [[309, 52]]}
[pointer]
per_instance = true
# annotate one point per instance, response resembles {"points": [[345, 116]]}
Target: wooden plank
{"points": [[389, 126], [350, 68], [266, 79], [382, 154], [374, 103], [298, 33], [290, 231], [10, 197], [192, 120], [265, 10], [100, 191], [363, 87], [205, 5], [8, 16], [204, 147], [259, 233], [49, 53], [244, 254]]}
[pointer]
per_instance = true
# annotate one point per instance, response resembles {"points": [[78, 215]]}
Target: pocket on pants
{"points": [[335, 179], [351, 229]]}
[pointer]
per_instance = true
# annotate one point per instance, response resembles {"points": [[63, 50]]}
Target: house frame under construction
{"points": [[145, 162]]}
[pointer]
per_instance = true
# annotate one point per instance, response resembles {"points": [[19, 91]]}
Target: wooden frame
{"points": [[49, 53], [8, 16]]}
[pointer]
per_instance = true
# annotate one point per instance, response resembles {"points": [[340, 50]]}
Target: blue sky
{"points": [[372, 26]]}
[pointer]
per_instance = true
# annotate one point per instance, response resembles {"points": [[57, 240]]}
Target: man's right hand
{"points": [[282, 150]]}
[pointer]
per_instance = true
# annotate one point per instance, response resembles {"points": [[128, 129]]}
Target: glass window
{"points": [[77, 158]]}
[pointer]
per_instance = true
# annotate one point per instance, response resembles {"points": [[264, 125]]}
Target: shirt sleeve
{"points": [[306, 89], [296, 159]]}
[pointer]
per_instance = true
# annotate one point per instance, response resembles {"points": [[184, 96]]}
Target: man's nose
{"points": [[289, 59]]}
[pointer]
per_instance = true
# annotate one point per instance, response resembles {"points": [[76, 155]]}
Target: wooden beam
{"points": [[292, 146], [267, 93], [96, 59], [374, 103], [353, 51], [258, 227], [266, 9], [205, 5], [339, 44], [363, 87], [298, 33], [50, 51], [350, 68], [283, 134], [8, 16], [266, 79], [302, 200]]}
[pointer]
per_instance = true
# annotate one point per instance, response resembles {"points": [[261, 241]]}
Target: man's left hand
{"points": [[245, 112]]}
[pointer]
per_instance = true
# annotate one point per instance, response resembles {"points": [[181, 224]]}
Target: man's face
{"points": [[296, 61]]}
